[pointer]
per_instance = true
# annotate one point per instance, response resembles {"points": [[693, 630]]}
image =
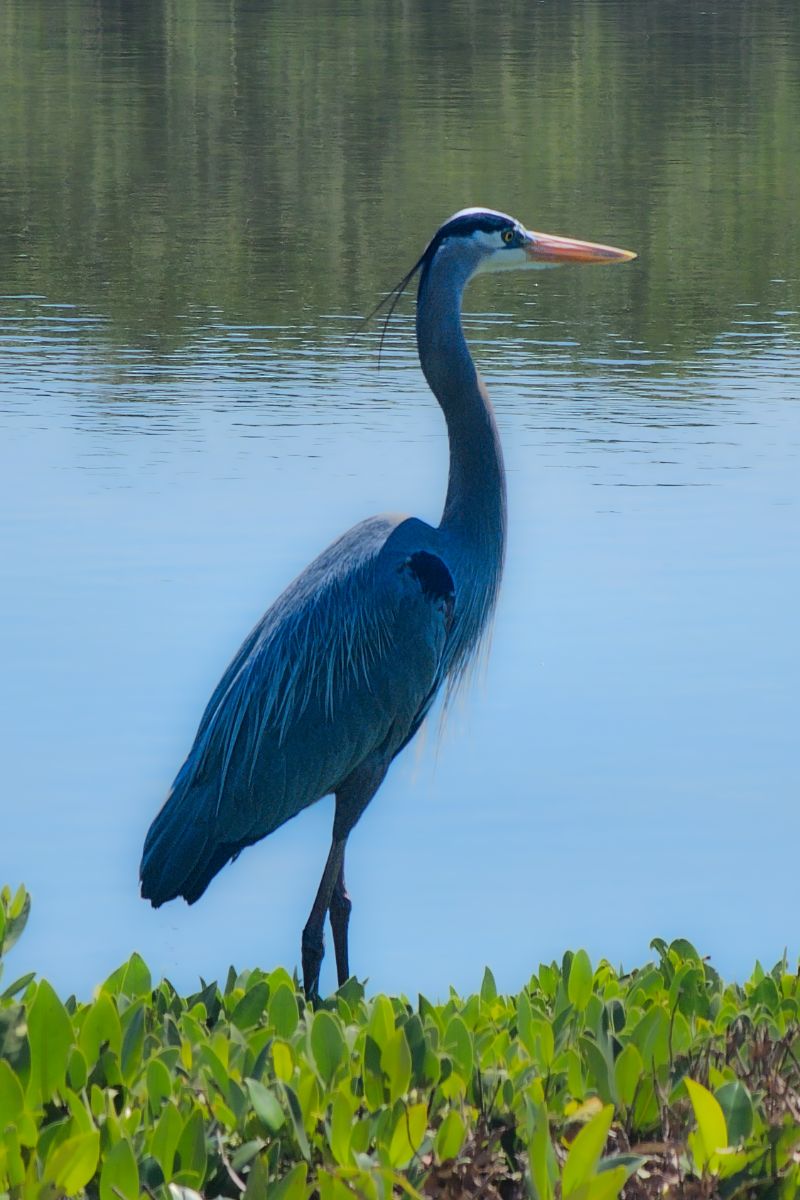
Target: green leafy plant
{"points": [[587, 1085]]}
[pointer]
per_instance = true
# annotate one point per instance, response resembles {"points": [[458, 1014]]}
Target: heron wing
{"points": [[344, 664]]}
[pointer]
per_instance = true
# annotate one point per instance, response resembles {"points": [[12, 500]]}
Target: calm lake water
{"points": [[198, 201]]}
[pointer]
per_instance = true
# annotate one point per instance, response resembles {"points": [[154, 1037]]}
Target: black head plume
{"points": [[392, 299], [462, 224]]}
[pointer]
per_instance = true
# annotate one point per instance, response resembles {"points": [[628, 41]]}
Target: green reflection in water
{"points": [[284, 161]]}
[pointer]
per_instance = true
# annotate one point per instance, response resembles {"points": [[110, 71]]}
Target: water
{"points": [[197, 204]]}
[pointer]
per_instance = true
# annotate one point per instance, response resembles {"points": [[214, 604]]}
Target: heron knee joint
{"points": [[313, 942], [341, 903]]}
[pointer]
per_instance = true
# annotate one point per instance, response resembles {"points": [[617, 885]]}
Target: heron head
{"points": [[481, 240], [493, 241]]}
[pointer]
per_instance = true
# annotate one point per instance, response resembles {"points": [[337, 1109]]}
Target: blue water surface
{"points": [[625, 766]]}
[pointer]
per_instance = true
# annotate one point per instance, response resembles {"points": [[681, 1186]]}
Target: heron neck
{"points": [[474, 507]]}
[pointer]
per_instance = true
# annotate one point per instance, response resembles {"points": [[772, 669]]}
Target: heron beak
{"points": [[546, 249]]}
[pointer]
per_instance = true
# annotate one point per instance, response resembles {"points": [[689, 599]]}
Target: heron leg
{"points": [[313, 942], [352, 797], [340, 908]]}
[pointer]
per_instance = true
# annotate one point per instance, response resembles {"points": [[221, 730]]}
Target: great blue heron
{"points": [[341, 671]]}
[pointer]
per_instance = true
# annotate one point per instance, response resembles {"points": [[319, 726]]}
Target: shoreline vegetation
{"points": [[589, 1084]]}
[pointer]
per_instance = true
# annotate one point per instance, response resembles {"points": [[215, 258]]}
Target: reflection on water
{"points": [[282, 161], [196, 208]]}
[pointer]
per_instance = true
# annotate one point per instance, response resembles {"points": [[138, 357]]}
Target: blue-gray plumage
{"points": [[343, 668]]}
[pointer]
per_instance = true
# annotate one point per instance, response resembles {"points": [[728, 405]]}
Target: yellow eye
{"points": [[508, 236]]}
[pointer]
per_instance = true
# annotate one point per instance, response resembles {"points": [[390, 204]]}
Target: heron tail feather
{"points": [[181, 854]]}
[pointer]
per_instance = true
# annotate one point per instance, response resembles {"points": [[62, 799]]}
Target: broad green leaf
{"points": [[450, 1136], [119, 1178], [372, 1074], [73, 1163], [536, 1035], [136, 980], [380, 1026], [585, 1150], [630, 1163], [292, 1186], [599, 1074], [296, 1116], [244, 1154], [396, 1064], [12, 1164], [571, 1062], [767, 994], [14, 920], [430, 1013], [165, 1138], [132, 1041], [646, 1106], [341, 1128], [190, 1154], [417, 1044], [308, 1094], [81, 1117], [283, 1014], [257, 1178], [731, 1162], [541, 1155], [651, 1037], [266, 1105], [407, 1134], [331, 1187], [327, 1044], [488, 987], [224, 1115], [214, 1068], [682, 949], [524, 1021], [97, 1101], [361, 1135], [352, 993], [51, 1136], [12, 1098], [18, 985], [605, 1186], [458, 1044], [628, 1070], [282, 1061], [101, 1025], [50, 1038], [471, 1012], [159, 1085], [737, 1108], [548, 979], [250, 1009], [712, 1132], [579, 988], [543, 1044], [77, 1070]]}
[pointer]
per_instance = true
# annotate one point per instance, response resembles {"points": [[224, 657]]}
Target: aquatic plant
{"points": [[591, 1083]]}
